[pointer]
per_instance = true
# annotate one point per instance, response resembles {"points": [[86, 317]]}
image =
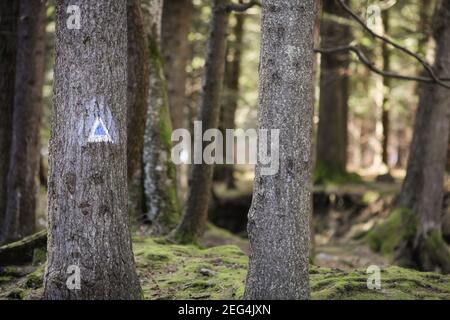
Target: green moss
{"points": [[214, 233], [172, 271], [183, 237], [434, 253], [5, 279], [11, 272], [386, 236], [17, 294], [179, 274], [34, 280], [324, 174], [39, 256], [396, 284], [172, 213]]}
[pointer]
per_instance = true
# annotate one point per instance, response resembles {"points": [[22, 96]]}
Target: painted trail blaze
{"points": [[99, 132]]}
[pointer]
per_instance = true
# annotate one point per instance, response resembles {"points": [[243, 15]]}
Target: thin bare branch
{"points": [[370, 65], [241, 7], [422, 61]]}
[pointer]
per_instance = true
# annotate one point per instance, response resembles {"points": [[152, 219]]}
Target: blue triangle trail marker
{"points": [[99, 132]]}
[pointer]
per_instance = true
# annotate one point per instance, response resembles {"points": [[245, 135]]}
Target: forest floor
{"points": [[217, 268], [170, 271]]}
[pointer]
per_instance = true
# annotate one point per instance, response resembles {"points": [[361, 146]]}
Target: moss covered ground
{"points": [[171, 271]]}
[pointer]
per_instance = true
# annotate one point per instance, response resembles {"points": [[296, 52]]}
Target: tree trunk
{"points": [[9, 11], [278, 224], [20, 218], [422, 190], [385, 118], [334, 93], [88, 220], [137, 101], [231, 95], [200, 182], [176, 24], [137, 98], [162, 205]]}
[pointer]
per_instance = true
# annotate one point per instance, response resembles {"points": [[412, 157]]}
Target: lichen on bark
{"points": [[161, 200]]}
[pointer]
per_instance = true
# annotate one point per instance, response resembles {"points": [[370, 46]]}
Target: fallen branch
{"points": [[22, 251]]}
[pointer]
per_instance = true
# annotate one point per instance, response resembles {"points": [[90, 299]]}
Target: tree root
{"points": [[428, 252]]}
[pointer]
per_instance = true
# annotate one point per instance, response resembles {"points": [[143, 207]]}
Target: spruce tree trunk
{"points": [[332, 139], [9, 11], [88, 219], [138, 84], [162, 207], [176, 23], [137, 101], [200, 182], [278, 221], [422, 190], [175, 49], [385, 114], [231, 95], [20, 217]]}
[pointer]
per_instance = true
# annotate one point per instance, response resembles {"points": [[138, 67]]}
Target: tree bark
{"points": [[138, 86], [385, 115], [162, 207], [200, 182], [175, 49], [20, 218], [334, 93], [176, 23], [88, 220], [9, 11], [422, 190], [278, 224], [231, 94]]}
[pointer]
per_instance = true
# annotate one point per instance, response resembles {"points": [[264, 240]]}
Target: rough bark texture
{"points": [[138, 84], [334, 93], [88, 220], [422, 189], [200, 182], [9, 10], [231, 94], [278, 224], [20, 217], [161, 199]]}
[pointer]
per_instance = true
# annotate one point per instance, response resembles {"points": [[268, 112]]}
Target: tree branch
{"points": [[241, 7], [422, 61], [362, 57]]}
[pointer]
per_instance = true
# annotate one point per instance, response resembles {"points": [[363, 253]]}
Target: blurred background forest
{"points": [[380, 112]]}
